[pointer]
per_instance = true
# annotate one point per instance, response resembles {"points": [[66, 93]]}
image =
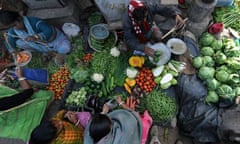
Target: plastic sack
{"points": [[70, 29], [229, 130], [196, 119]]}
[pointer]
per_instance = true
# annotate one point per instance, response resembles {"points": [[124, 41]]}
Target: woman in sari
{"points": [[121, 126], [34, 34]]}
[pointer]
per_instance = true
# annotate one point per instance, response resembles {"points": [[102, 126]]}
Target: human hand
{"points": [[19, 72], [149, 51], [71, 116], [105, 109], [179, 21], [31, 38], [118, 99]]}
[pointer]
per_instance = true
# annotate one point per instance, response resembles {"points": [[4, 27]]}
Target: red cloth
{"points": [[146, 122], [216, 28], [134, 4]]}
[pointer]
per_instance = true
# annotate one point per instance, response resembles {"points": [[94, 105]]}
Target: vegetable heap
{"points": [[77, 98], [229, 16], [218, 66], [161, 107], [58, 81]]}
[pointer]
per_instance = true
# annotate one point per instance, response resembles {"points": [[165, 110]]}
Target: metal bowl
{"points": [[26, 62], [99, 32], [165, 53]]}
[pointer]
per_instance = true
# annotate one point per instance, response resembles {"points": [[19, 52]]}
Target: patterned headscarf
{"points": [[134, 4]]}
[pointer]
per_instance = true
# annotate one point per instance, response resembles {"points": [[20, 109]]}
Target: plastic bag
{"points": [[196, 119], [70, 29]]}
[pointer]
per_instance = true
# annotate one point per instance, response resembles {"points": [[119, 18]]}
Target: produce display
{"points": [[23, 57], [77, 97], [218, 67], [161, 107], [58, 81], [229, 16]]}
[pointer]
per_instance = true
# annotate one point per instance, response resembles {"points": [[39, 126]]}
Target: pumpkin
{"points": [[136, 61], [130, 82]]}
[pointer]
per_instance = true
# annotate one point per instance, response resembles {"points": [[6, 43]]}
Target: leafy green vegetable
{"points": [[220, 57], [217, 44], [206, 73], [211, 97], [197, 62], [225, 91], [208, 61], [212, 84], [79, 74], [161, 107], [222, 76], [206, 39], [206, 51]]}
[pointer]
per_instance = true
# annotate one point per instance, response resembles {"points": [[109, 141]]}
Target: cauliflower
{"points": [[97, 77], [115, 52], [131, 72]]}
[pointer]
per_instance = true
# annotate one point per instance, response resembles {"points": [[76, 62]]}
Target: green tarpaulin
{"points": [[18, 122]]}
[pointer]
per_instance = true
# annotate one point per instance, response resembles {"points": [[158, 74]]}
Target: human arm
{"points": [[15, 100], [73, 118], [22, 80], [43, 30], [130, 35]]}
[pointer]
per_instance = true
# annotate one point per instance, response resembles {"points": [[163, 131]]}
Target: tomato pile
{"points": [[87, 57], [58, 81], [145, 79]]}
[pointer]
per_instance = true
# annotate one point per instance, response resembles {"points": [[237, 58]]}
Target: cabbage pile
{"points": [[219, 67]]}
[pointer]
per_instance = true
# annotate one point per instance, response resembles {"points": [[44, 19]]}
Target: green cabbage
{"points": [[197, 62], [217, 44], [206, 39], [237, 91], [211, 97], [212, 84], [225, 91], [206, 51], [220, 57], [222, 76], [206, 73], [208, 61]]}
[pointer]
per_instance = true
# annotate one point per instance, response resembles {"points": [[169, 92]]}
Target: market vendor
{"points": [[139, 26], [15, 99], [34, 34], [106, 128], [65, 127]]}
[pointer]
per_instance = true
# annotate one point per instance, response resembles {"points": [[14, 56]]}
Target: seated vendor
{"points": [[121, 126], [34, 34], [19, 98], [65, 127], [139, 27]]}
